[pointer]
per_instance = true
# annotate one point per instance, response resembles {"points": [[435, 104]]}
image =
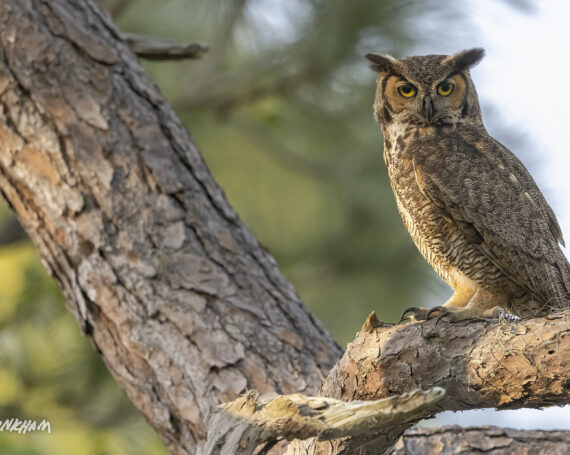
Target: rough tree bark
{"points": [[480, 364], [241, 426], [185, 307], [476, 440]]}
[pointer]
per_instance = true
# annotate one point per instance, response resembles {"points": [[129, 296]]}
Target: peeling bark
{"points": [[185, 306], [241, 426]]}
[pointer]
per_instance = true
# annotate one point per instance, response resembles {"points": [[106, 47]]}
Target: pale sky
{"points": [[524, 78]]}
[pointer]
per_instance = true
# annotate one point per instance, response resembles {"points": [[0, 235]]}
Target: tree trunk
{"points": [[186, 308]]}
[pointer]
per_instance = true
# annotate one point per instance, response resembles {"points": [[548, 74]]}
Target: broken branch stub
{"points": [[241, 426], [151, 48]]}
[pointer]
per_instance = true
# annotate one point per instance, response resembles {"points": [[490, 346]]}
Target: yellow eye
{"points": [[445, 88], [407, 91]]}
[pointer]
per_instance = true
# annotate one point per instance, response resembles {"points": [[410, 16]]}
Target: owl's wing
{"points": [[496, 150], [487, 191]]}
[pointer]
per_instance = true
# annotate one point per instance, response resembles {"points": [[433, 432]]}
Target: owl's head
{"points": [[426, 90]]}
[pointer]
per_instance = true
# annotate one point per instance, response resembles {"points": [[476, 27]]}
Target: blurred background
{"points": [[281, 109]]}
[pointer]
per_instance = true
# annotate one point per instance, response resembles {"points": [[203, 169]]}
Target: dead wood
{"points": [[241, 426]]}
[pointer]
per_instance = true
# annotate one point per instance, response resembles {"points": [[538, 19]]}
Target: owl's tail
{"points": [[552, 294], [560, 286]]}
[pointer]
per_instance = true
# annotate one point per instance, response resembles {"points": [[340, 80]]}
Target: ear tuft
{"points": [[467, 59], [381, 63]]}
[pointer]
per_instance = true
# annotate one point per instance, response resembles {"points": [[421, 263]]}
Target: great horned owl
{"points": [[470, 205]]}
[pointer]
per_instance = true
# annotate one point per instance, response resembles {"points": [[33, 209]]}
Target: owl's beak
{"points": [[428, 107]]}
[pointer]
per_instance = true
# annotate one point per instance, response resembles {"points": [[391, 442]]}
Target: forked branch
{"points": [[480, 364]]}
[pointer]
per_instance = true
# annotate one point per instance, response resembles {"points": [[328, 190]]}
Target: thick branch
{"points": [[241, 426], [483, 363], [474, 440], [480, 364]]}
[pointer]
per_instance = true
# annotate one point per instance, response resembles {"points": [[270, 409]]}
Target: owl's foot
{"points": [[419, 314], [456, 314]]}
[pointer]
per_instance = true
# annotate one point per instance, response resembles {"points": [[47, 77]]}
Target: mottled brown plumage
{"points": [[470, 205]]}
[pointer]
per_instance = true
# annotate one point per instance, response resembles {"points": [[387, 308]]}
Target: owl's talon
{"points": [[456, 314], [442, 315], [436, 309], [405, 312], [419, 314]]}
